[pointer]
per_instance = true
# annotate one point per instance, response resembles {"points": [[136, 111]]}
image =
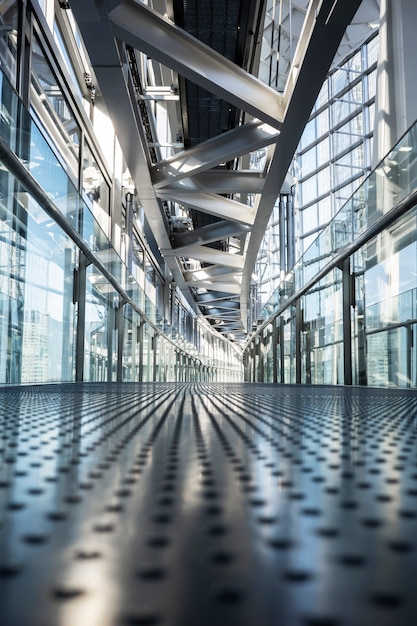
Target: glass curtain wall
{"points": [[100, 341], [331, 161], [322, 332], [37, 314], [347, 312], [334, 154], [71, 308], [385, 323]]}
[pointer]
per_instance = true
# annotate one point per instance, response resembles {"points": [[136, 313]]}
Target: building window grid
{"points": [[354, 83], [348, 158]]}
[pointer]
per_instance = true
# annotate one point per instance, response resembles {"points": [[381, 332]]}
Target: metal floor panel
{"points": [[207, 504]]}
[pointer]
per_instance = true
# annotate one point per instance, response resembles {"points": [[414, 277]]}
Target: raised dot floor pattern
{"points": [[207, 505]]}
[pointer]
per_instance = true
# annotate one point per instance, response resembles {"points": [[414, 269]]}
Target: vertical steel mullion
{"points": [[275, 339], [290, 233], [23, 65], [80, 297], [347, 324], [282, 229], [119, 324], [298, 330], [140, 341]]}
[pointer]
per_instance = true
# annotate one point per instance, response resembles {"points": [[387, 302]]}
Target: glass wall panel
{"points": [[323, 181], [309, 134], [390, 296], [372, 51], [346, 105], [322, 346], [377, 360], [268, 355], [323, 122], [47, 170], [25, 138], [9, 15], [94, 183], [131, 338], [308, 162], [289, 348], [323, 96], [103, 358], [170, 361], [100, 345], [37, 315], [54, 110], [147, 353], [59, 39], [310, 218], [383, 310], [308, 190], [372, 87], [325, 211], [158, 356], [348, 134]]}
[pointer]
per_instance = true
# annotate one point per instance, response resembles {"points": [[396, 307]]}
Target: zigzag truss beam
{"points": [[214, 205], [212, 256], [208, 154], [208, 234], [220, 181]]}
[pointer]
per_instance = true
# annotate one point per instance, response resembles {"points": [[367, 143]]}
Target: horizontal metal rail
{"points": [[375, 229]]}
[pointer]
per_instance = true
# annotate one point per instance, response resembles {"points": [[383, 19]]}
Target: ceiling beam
{"points": [[212, 272], [221, 181], [214, 205], [211, 255], [207, 154], [213, 281], [224, 304], [227, 326], [148, 31], [215, 313], [208, 234], [227, 287]]}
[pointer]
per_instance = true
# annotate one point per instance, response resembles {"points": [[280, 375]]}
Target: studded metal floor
{"points": [[193, 504]]}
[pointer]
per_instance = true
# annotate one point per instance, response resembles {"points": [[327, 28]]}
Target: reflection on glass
{"points": [[53, 109], [9, 15], [100, 334], [322, 332], [40, 305], [36, 310], [94, 184]]}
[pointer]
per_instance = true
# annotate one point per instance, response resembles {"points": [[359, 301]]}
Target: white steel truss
{"points": [[212, 264]]}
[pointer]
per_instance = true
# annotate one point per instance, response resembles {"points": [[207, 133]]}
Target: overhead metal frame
{"points": [[148, 31], [220, 181], [197, 178], [208, 154]]}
